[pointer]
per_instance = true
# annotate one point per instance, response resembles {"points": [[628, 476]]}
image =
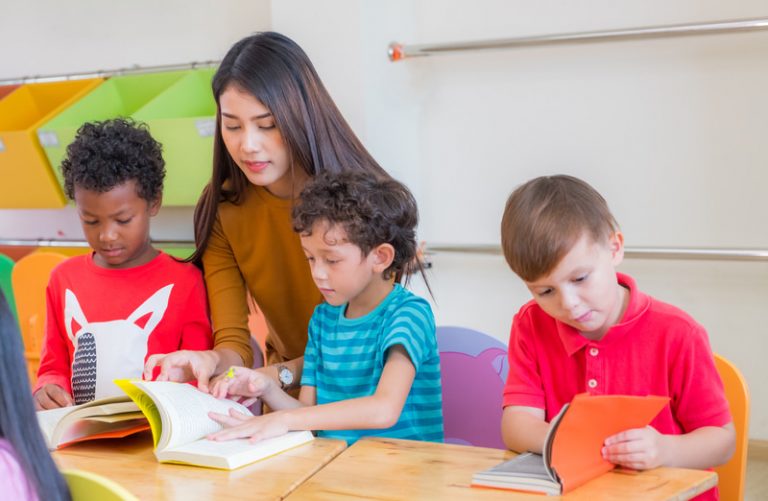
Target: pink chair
{"points": [[474, 368]]}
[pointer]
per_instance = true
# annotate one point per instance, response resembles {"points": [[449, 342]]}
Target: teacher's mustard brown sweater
{"points": [[253, 247]]}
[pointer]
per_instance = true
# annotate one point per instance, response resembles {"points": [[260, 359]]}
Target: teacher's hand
{"points": [[182, 366]]}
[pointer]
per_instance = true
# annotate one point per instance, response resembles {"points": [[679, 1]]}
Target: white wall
{"points": [[46, 37], [671, 131], [49, 36]]}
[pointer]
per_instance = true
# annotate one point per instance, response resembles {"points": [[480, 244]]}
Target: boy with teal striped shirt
{"points": [[371, 365]]}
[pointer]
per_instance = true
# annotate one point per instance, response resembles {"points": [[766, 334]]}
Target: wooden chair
{"points": [[87, 486], [30, 278], [731, 475], [473, 369]]}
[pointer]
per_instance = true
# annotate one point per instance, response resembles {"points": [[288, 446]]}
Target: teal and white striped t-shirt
{"points": [[345, 357]]}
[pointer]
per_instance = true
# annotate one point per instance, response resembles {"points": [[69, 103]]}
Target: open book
{"points": [[110, 417], [178, 416], [572, 448]]}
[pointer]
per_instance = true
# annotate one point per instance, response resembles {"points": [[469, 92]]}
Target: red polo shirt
{"points": [[656, 349]]}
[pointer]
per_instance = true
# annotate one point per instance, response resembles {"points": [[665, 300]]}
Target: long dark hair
{"points": [[18, 422], [277, 72]]}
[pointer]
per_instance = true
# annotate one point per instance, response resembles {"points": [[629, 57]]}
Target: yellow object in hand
{"points": [[231, 373]]}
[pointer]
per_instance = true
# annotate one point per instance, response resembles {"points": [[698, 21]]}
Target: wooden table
{"points": [[404, 469], [131, 462]]}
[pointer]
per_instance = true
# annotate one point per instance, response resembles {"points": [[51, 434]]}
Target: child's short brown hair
{"points": [[545, 217]]}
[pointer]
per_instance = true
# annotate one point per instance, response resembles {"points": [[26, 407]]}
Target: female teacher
{"points": [[276, 127]]}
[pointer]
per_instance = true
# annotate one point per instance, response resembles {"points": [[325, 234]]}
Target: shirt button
{"points": [[594, 351], [592, 383]]}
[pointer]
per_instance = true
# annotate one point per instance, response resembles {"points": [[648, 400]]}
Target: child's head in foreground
{"points": [[356, 230], [18, 425], [559, 236], [114, 172]]}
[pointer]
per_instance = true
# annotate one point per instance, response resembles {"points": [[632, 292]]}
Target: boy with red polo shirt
{"points": [[589, 329]]}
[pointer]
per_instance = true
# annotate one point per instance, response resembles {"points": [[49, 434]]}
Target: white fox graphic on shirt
{"points": [[109, 350]]}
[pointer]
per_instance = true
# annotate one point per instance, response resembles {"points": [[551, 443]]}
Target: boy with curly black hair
{"points": [[371, 365], [109, 310]]}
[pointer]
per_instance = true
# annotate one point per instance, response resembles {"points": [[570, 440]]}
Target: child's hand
{"points": [[238, 425], [639, 448], [242, 382], [52, 396]]}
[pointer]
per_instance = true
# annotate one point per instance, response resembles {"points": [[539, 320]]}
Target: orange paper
{"points": [[110, 434]]}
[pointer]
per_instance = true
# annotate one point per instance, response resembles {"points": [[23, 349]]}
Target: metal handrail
{"points": [[398, 51], [44, 242], [134, 70], [689, 253]]}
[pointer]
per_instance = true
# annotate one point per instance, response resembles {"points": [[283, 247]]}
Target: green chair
{"points": [[87, 486], [179, 252], [6, 267]]}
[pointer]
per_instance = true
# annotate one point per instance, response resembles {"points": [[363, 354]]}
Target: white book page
{"points": [[185, 409], [526, 464], [117, 418], [49, 419], [240, 451], [65, 416], [549, 439], [109, 409], [205, 447], [113, 405]]}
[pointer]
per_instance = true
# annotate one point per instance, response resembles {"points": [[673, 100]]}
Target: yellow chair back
{"points": [[87, 486], [731, 475], [30, 278], [67, 251]]}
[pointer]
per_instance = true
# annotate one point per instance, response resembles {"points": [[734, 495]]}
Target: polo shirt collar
{"points": [[638, 304]]}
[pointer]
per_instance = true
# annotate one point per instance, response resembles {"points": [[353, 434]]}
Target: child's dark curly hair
{"points": [[371, 210], [109, 153]]}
